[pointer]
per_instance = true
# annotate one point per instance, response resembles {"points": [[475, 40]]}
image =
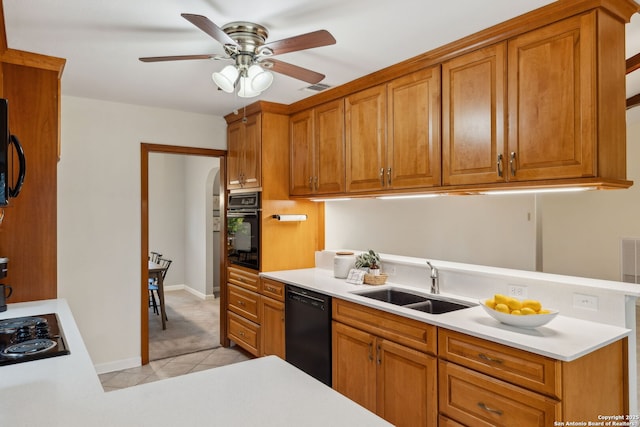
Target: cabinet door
{"points": [[473, 117], [329, 148], [406, 385], [366, 139], [354, 368], [244, 160], [552, 81], [235, 133], [252, 164], [301, 172], [272, 327], [413, 120]]}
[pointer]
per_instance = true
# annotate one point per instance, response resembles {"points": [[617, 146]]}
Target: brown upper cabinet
{"points": [[393, 134], [244, 140], [535, 101], [317, 150], [474, 117]]}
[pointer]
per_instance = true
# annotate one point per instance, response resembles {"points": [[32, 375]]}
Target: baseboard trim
{"points": [[190, 290], [118, 365]]}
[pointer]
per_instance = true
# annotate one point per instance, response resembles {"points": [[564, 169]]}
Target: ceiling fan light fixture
{"points": [[226, 78], [246, 91], [260, 79]]}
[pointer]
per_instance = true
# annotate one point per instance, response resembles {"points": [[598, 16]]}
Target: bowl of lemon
{"points": [[526, 313]]}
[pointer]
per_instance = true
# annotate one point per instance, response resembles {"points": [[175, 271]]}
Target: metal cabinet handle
{"points": [[379, 355], [490, 359], [382, 177], [389, 176], [270, 289], [315, 179], [499, 165], [241, 333], [371, 351], [241, 303], [512, 163], [483, 406], [311, 183]]}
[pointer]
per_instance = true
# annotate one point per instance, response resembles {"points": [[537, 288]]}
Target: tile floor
{"points": [[172, 367]]}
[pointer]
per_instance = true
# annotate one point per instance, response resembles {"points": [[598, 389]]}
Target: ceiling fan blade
{"points": [[304, 41], [175, 58], [295, 71], [210, 28]]}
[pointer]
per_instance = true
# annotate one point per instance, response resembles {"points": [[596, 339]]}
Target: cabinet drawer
{"points": [[243, 302], [244, 333], [475, 399], [243, 278], [532, 371], [412, 333], [272, 289]]}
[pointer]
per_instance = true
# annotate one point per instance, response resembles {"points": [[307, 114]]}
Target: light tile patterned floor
{"points": [[172, 367]]}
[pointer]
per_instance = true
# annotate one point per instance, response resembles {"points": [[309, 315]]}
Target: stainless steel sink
{"points": [[428, 304]]}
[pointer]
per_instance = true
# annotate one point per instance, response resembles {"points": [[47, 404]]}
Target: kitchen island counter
{"points": [[65, 391]]}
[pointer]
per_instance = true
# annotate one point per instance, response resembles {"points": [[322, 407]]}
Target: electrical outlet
{"points": [[517, 291], [391, 270], [587, 302]]}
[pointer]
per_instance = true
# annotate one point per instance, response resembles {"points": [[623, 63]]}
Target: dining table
{"points": [[156, 272]]}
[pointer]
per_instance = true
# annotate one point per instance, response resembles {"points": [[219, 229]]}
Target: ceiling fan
{"points": [[245, 44]]}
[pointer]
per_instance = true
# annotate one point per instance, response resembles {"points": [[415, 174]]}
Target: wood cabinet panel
{"points": [[317, 150], [272, 289], [407, 385], [243, 302], [552, 95], [476, 399], [302, 169], [272, 327], [244, 332], [354, 368], [413, 130], [474, 117], [244, 161], [409, 332], [28, 232], [365, 136], [243, 277], [532, 371]]}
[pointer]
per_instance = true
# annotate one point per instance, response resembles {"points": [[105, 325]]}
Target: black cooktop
{"points": [[23, 339]]}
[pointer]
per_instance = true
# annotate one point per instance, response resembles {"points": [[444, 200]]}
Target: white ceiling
{"points": [[102, 41]]}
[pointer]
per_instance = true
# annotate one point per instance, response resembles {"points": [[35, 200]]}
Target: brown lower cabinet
{"points": [[373, 368], [414, 374], [255, 312]]}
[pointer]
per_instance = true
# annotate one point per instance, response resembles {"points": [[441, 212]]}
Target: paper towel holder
{"points": [[290, 217]]}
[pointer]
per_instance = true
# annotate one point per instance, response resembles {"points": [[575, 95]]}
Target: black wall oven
{"points": [[243, 230]]}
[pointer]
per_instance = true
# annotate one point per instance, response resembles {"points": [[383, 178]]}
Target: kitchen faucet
{"points": [[435, 286]]}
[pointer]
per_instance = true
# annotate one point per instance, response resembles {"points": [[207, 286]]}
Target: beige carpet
{"points": [[193, 325]]}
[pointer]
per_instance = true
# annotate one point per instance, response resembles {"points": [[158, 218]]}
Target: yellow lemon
{"points": [[502, 308], [501, 299], [527, 311], [516, 313], [491, 303], [532, 304], [514, 304], [544, 311]]}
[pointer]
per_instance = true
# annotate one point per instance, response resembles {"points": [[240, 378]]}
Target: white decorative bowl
{"points": [[528, 321]]}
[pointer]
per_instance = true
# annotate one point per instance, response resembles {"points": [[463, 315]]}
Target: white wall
{"points": [[167, 212], [582, 232], [492, 230], [99, 213]]}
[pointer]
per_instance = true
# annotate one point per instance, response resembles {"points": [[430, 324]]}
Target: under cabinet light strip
{"points": [[538, 190]]}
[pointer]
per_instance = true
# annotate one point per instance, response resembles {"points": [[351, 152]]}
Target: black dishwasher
{"points": [[308, 332]]}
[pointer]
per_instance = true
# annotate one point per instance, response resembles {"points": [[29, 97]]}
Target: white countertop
{"points": [[65, 391], [564, 338]]}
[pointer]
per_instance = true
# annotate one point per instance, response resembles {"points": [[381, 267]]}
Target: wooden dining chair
{"points": [[154, 287]]}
